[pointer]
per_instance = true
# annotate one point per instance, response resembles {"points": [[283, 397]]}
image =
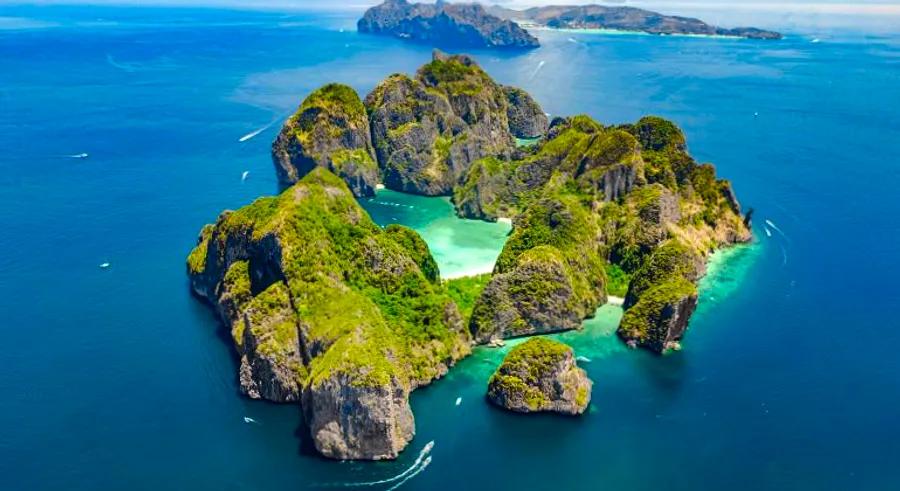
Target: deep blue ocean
{"points": [[117, 378]]}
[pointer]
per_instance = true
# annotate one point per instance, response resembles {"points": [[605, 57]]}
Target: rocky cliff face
{"points": [[588, 198], [328, 309], [428, 130], [413, 130], [331, 130], [540, 375], [445, 24], [624, 19], [526, 118], [549, 276]]}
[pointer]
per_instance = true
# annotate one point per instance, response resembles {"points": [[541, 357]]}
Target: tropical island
{"points": [[622, 19], [460, 25], [472, 25], [328, 310]]}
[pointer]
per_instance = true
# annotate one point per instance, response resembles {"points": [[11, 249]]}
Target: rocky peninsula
{"points": [[466, 25], [329, 310], [540, 375], [622, 19]]}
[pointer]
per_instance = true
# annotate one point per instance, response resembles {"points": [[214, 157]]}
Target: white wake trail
{"points": [[253, 134], [775, 227], [419, 461], [536, 70], [414, 474]]}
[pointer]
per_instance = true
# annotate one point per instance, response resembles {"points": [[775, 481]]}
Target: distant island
{"points": [[622, 19], [330, 311], [472, 25], [445, 24]]}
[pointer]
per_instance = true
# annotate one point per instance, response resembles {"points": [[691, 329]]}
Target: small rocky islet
{"points": [[472, 25], [540, 375], [331, 311]]}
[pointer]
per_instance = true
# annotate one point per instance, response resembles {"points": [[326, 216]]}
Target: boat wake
{"points": [[536, 70], [125, 67], [420, 463], [775, 228], [414, 474], [255, 133]]}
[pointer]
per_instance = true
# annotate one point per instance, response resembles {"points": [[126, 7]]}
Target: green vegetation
{"points": [[616, 280], [370, 301], [454, 76], [526, 365], [645, 321], [196, 260], [466, 290], [417, 248], [670, 261], [657, 231], [358, 156]]}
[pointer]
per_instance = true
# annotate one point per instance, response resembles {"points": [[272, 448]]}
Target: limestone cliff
{"points": [[331, 130], [590, 202], [526, 118], [428, 130], [445, 24], [326, 308], [540, 375], [624, 19]]}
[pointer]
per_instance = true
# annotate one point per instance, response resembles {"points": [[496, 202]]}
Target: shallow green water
{"points": [[460, 247]]}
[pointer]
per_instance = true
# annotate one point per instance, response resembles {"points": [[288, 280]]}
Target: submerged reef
{"points": [[329, 310]]}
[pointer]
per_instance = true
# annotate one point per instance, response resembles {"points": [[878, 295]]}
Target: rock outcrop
{"points": [[329, 310], [326, 308], [540, 375], [590, 202], [331, 130], [549, 276], [624, 19], [526, 118], [445, 24]]}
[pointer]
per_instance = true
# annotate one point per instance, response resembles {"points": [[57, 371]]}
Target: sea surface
{"points": [[116, 378]]}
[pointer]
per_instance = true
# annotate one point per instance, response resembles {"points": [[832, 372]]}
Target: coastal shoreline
{"points": [[623, 32]]}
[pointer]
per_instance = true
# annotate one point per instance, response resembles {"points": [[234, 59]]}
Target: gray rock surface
{"points": [[445, 24], [540, 375]]}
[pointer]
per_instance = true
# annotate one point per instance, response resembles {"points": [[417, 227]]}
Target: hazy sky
{"points": [[787, 13]]}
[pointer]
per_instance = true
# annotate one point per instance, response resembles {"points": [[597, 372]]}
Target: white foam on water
{"points": [[775, 227], [408, 473], [536, 70], [125, 67], [253, 134], [414, 474]]}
